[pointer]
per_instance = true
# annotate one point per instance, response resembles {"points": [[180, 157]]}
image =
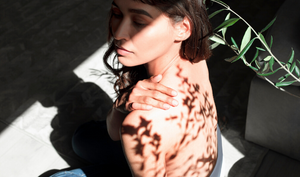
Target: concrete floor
{"points": [[48, 50]]}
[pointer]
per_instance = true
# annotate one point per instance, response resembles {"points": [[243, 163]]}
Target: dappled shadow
{"points": [[195, 126], [42, 42]]}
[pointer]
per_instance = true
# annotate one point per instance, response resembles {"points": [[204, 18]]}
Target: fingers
{"points": [[146, 85], [149, 93], [146, 107], [138, 106], [153, 98], [156, 78], [162, 88]]}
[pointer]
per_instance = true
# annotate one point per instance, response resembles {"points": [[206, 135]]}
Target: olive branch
{"points": [[264, 67]]}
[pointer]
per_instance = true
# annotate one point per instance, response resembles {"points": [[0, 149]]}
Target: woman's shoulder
{"points": [[156, 120], [156, 124]]}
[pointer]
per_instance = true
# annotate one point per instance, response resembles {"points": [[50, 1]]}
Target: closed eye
{"points": [[116, 12], [139, 24]]}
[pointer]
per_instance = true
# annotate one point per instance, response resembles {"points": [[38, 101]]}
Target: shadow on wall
{"points": [[81, 104], [41, 42]]}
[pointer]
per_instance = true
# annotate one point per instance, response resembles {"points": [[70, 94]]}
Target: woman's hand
{"points": [[149, 93]]}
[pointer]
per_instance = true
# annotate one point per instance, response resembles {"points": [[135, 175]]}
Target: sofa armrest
{"points": [[273, 118]]}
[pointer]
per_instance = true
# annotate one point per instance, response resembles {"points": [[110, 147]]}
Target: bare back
{"points": [[182, 140]]}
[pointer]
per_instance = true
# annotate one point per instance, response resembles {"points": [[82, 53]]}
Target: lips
{"points": [[122, 51]]}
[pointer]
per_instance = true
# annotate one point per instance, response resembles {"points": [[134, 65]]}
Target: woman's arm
{"points": [[114, 121], [145, 139]]}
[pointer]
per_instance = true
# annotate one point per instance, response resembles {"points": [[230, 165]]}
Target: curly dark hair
{"points": [[194, 49]]}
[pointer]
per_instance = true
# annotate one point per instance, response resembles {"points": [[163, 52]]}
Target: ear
{"points": [[183, 30]]}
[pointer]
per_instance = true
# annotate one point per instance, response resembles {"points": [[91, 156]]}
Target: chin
{"points": [[127, 64], [124, 61]]}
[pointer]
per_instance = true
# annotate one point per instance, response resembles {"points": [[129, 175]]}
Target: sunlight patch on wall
{"points": [[230, 156], [35, 121], [87, 68]]}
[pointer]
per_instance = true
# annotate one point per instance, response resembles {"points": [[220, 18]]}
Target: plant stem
{"points": [[236, 52], [280, 88], [267, 48]]}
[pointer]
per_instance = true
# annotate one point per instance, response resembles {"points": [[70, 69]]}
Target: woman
{"points": [[166, 41]]}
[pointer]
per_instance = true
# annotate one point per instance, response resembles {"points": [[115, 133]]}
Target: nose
{"points": [[122, 31]]}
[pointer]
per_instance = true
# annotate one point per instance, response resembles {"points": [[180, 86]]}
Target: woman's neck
{"points": [[161, 66]]}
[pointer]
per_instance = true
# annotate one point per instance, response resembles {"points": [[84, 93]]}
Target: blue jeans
{"points": [[72, 173], [92, 143], [217, 170]]}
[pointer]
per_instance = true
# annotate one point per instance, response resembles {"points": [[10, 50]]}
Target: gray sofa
{"points": [[273, 117]]}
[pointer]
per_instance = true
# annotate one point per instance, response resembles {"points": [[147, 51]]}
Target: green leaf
{"points": [[297, 71], [282, 78], [292, 57], [245, 50], [265, 74], [268, 26], [255, 69], [268, 58], [217, 39], [246, 38], [214, 45], [282, 84], [255, 56], [234, 43], [266, 68], [257, 64], [271, 41], [288, 65], [230, 59], [227, 16], [227, 23], [271, 63], [225, 29], [268, 74], [263, 39], [215, 13], [293, 67], [261, 49]]}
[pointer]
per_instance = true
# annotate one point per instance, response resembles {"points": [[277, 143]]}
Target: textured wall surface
{"points": [[47, 51]]}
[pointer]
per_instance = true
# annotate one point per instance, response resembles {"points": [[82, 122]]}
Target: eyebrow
{"points": [[136, 11], [140, 11]]}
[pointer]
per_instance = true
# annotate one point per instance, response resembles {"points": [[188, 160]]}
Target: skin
{"points": [[131, 29], [150, 93], [147, 93], [177, 141]]}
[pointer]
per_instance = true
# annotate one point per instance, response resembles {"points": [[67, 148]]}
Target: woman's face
{"points": [[142, 33]]}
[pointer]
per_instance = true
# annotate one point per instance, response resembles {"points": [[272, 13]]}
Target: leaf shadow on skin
{"points": [[200, 110]]}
